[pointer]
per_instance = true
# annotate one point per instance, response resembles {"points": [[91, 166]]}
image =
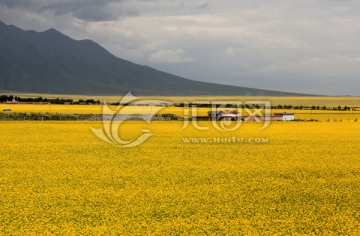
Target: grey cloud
{"points": [[203, 6], [95, 13], [300, 46]]}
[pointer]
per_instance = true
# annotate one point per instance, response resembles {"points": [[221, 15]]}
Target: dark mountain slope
{"points": [[50, 62]]}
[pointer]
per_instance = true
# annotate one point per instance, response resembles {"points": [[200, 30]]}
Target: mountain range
{"points": [[53, 63]]}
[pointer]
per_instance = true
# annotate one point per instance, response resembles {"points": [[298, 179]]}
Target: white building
{"points": [[286, 116]]}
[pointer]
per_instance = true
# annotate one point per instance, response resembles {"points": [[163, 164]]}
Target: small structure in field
{"points": [[286, 116], [224, 115], [234, 115]]}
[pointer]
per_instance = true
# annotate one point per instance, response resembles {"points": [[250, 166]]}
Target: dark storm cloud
{"points": [[17, 3], [89, 10]]}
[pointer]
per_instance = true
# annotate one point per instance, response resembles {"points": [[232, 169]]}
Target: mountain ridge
{"points": [[51, 62]]}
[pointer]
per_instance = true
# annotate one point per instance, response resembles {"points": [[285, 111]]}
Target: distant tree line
{"points": [[9, 98], [70, 117], [6, 98], [258, 106]]}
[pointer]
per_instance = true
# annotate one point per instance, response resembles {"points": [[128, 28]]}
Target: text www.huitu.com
{"points": [[233, 139]]}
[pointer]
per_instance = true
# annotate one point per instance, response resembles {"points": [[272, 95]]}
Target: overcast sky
{"points": [[309, 46]]}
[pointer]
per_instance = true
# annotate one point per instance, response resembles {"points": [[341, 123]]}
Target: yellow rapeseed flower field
{"points": [[290, 178]]}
